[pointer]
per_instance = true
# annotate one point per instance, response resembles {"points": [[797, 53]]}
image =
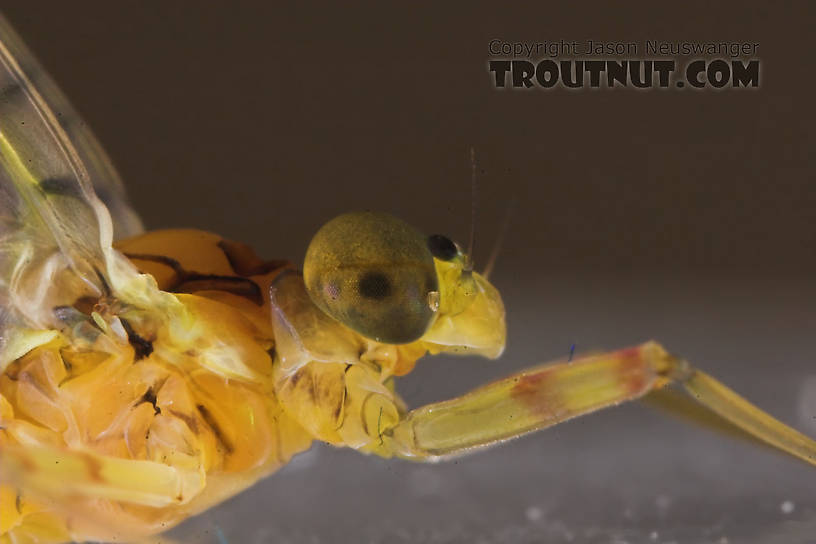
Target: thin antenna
{"points": [[494, 253], [472, 241]]}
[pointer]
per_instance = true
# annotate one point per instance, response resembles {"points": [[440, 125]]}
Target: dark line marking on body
{"points": [[161, 259], [190, 282], [243, 260], [150, 396], [339, 410], [364, 424], [216, 429], [379, 426], [231, 284], [192, 423], [141, 346]]}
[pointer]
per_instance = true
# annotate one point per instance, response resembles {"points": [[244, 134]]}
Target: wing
{"points": [[55, 231], [102, 175]]}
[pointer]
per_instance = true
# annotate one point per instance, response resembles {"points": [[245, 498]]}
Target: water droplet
{"points": [[433, 301]]}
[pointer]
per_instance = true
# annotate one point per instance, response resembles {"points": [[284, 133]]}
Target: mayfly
{"points": [[145, 380]]}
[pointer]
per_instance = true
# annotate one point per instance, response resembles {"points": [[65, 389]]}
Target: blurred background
{"points": [[683, 216]]}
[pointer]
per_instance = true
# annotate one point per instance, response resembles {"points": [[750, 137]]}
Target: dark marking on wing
{"points": [[61, 187], [105, 287], [141, 346], [10, 92]]}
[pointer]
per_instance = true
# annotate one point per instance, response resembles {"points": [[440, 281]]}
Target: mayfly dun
{"points": [[146, 377]]}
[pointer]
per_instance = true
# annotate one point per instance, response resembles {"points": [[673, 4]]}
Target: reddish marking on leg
{"points": [[529, 383], [633, 368], [532, 391], [630, 370], [629, 353]]}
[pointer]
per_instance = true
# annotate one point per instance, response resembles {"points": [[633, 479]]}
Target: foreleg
{"points": [[543, 396]]}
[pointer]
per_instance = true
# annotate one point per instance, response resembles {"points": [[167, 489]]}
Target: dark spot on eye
{"points": [[442, 247], [374, 285]]}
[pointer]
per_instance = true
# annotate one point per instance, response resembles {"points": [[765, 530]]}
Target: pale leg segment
{"points": [[546, 395]]}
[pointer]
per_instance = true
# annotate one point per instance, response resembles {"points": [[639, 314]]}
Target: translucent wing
{"points": [[55, 232], [103, 176]]}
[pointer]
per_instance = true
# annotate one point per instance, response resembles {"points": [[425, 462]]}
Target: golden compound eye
{"points": [[375, 274]]}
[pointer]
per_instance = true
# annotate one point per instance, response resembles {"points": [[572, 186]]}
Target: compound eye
{"points": [[375, 274], [442, 247]]}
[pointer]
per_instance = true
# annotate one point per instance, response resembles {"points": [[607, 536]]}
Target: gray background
{"points": [[678, 215]]}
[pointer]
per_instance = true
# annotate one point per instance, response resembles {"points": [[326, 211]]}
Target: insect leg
{"points": [[57, 472], [546, 395]]}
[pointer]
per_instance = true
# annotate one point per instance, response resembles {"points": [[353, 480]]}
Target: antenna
{"points": [[471, 243], [494, 253]]}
